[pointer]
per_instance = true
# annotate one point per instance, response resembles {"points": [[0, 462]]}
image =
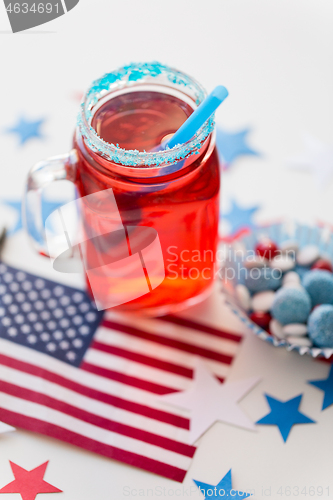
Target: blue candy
{"points": [[302, 271], [319, 285], [320, 326], [261, 279], [291, 305]]}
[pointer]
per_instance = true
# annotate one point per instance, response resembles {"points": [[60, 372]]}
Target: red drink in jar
{"points": [[175, 192]]}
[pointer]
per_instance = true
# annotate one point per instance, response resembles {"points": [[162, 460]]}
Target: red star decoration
{"points": [[29, 483]]}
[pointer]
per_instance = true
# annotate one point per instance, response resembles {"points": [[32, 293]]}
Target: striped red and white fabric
{"points": [[108, 402]]}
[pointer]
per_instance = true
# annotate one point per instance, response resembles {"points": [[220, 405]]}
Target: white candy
{"points": [[255, 261], [244, 297], [295, 329], [308, 255], [283, 263], [263, 301], [290, 247], [276, 329], [291, 277], [300, 341]]}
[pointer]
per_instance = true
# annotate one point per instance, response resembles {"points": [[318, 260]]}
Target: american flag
{"points": [[68, 372]]}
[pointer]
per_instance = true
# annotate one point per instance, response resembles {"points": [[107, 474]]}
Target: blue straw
{"points": [[196, 120]]}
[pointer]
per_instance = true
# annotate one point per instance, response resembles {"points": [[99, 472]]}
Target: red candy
{"points": [[261, 319], [323, 264], [267, 249]]}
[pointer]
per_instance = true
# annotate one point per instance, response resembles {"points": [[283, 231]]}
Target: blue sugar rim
{"points": [[126, 77]]}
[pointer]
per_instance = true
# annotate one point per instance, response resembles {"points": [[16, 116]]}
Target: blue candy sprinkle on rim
{"points": [[126, 77]]}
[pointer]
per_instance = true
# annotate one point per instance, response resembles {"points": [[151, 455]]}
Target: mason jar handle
{"points": [[56, 168]]}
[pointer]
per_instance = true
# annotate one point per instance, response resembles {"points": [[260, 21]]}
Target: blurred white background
{"points": [[274, 57]]}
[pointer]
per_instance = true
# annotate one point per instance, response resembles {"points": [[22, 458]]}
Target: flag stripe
{"points": [[130, 406], [177, 344], [126, 379], [33, 382], [161, 352], [103, 358], [90, 380], [104, 423], [31, 409], [57, 432], [144, 359], [195, 325], [173, 331]]}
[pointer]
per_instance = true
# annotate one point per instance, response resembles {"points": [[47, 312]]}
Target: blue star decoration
{"points": [[223, 489], [26, 130], [240, 218], [47, 208], [285, 414], [232, 145], [325, 385]]}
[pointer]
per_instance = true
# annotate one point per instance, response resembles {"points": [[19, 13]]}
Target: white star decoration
{"points": [[6, 428], [210, 401], [317, 159]]}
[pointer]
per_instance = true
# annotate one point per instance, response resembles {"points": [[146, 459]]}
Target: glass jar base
{"points": [[167, 309]]}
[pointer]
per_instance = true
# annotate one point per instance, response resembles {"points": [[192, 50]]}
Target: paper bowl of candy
{"points": [[279, 281]]}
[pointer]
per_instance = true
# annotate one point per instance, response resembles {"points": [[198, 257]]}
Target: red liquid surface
{"points": [[140, 120], [184, 209]]}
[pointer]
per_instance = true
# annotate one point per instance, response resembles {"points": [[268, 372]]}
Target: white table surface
{"points": [[276, 60]]}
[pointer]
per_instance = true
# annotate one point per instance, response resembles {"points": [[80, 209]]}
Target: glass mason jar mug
{"points": [[148, 220]]}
